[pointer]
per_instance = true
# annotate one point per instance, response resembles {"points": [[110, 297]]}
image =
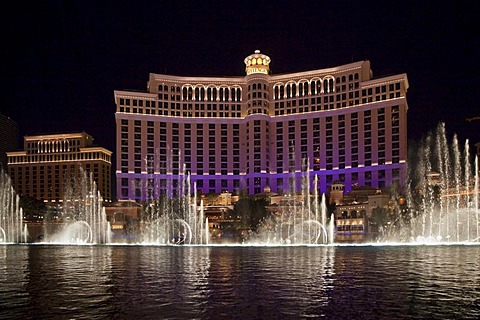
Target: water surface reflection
{"points": [[195, 282]]}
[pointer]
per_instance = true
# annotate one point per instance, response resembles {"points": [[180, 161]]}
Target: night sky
{"points": [[62, 60]]}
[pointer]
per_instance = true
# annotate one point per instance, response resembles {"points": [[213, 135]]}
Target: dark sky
{"points": [[62, 60]]}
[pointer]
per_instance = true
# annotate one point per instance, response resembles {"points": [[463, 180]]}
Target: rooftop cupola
{"points": [[257, 63]]}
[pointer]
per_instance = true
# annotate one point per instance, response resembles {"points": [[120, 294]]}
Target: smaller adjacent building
{"points": [[223, 223], [124, 217], [354, 213], [48, 163]]}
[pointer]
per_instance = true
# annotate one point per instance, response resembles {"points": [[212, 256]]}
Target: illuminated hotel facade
{"points": [[259, 130], [48, 162]]}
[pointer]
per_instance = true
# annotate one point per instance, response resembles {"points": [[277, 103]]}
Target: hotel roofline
{"points": [[211, 80]]}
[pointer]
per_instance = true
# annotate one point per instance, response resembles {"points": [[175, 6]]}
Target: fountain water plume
{"points": [[176, 220], [300, 218], [476, 193], [11, 214], [83, 213], [443, 194]]}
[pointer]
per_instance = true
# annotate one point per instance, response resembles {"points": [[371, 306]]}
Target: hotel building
{"points": [[262, 130], [48, 162]]}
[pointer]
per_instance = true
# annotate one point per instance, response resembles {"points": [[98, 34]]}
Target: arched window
{"points": [[220, 93], [304, 89], [353, 214], [319, 86], [227, 94], [197, 94], [209, 94], [326, 87]]}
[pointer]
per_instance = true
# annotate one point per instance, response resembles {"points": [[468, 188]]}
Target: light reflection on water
{"points": [[194, 282]]}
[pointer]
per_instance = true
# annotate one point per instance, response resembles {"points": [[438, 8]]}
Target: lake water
{"points": [[220, 282]]}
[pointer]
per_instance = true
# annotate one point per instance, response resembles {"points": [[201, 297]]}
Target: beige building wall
{"points": [[42, 170]]}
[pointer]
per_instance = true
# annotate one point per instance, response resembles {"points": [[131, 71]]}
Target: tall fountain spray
{"points": [[11, 215], [175, 220], [444, 193], [83, 214], [300, 218], [475, 202]]}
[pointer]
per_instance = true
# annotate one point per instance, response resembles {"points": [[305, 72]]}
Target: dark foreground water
{"points": [[135, 282]]}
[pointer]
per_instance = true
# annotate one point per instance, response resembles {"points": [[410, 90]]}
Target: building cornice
{"points": [[57, 136]]}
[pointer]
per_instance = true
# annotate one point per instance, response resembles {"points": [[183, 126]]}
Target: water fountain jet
{"points": [[11, 214], [83, 214], [443, 195]]}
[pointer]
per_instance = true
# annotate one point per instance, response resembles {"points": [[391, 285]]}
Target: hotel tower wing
{"points": [[262, 130]]}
